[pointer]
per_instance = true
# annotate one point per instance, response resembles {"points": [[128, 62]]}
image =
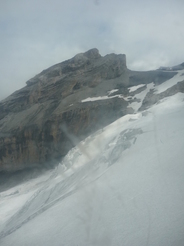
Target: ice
{"points": [[15, 200], [122, 185]]}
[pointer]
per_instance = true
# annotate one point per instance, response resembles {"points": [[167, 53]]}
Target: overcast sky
{"points": [[36, 34]]}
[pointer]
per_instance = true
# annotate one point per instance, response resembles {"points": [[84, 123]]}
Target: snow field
{"points": [[107, 194]]}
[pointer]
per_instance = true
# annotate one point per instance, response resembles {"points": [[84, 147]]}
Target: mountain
{"points": [[174, 68], [122, 185], [67, 102]]}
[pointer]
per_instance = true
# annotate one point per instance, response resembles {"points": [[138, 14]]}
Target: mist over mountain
{"points": [[91, 153], [67, 102]]}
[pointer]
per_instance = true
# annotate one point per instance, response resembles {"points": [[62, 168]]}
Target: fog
{"points": [[37, 34]]}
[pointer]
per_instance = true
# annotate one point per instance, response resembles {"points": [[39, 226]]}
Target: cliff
{"points": [[63, 104], [42, 121]]}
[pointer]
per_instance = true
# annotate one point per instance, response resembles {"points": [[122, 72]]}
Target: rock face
{"points": [[62, 105], [152, 98], [146, 77], [42, 121]]}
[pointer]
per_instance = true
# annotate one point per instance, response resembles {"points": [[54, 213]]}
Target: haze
{"points": [[39, 33]]}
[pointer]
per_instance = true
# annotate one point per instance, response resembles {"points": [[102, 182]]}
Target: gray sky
{"points": [[36, 34]]}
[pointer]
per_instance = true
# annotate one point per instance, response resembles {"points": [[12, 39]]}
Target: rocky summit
{"points": [[67, 102]]}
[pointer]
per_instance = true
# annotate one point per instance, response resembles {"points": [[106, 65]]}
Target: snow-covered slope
{"points": [[124, 185], [169, 83]]}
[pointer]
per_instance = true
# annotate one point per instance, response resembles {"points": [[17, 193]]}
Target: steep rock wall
{"points": [[41, 122]]}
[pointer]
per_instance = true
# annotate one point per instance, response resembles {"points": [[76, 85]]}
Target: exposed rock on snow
{"points": [[31, 119], [40, 123], [152, 97], [124, 184]]}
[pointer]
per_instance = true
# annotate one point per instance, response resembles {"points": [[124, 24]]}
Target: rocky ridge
{"points": [[67, 102]]}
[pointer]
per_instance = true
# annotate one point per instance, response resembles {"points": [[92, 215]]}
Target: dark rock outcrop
{"points": [[41, 122], [174, 68], [152, 98], [146, 77]]}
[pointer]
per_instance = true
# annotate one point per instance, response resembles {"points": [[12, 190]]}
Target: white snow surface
{"points": [[169, 83], [90, 99], [140, 96], [124, 185], [136, 87], [112, 91]]}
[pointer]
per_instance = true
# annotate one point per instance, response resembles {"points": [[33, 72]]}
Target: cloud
{"points": [[39, 33]]}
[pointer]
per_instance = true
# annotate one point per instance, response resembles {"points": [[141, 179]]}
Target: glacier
{"points": [[123, 185]]}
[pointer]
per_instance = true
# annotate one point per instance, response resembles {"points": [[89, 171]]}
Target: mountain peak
{"points": [[92, 53], [85, 93]]}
